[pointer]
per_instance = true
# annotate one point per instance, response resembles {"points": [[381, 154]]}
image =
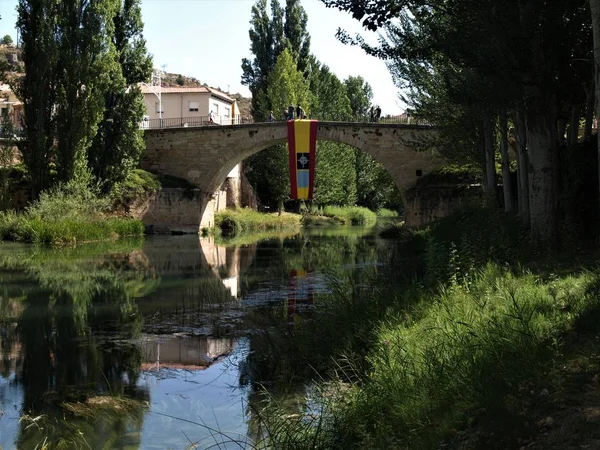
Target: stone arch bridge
{"points": [[205, 155]]}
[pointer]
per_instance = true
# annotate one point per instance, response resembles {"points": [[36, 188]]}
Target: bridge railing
{"points": [[201, 121], [198, 121]]}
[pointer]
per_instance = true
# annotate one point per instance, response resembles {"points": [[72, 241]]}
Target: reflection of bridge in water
{"points": [[183, 314], [183, 352]]}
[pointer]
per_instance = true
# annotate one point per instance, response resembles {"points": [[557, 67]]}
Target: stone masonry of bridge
{"points": [[205, 155]]}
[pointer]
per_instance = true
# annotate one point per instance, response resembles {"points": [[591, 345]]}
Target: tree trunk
{"points": [[542, 148], [589, 111], [522, 163], [506, 178], [595, 8], [574, 126], [490, 160], [541, 117]]}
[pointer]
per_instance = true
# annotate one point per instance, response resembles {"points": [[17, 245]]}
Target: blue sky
{"points": [[207, 39]]}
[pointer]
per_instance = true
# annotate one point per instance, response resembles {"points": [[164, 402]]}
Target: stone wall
{"points": [[217, 202], [233, 189], [423, 205], [248, 196], [170, 211]]}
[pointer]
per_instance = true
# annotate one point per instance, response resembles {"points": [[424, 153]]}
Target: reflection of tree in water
{"points": [[80, 363], [70, 362], [285, 352]]}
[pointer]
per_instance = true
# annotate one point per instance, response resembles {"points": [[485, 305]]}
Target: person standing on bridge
{"points": [[300, 112], [271, 117], [290, 114], [378, 113]]}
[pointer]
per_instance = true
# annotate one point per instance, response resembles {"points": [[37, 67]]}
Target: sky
{"points": [[207, 39]]}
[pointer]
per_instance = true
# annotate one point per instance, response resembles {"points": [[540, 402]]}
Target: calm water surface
{"points": [[145, 344]]}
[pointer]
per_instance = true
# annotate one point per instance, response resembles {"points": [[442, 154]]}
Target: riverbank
{"points": [[236, 221], [341, 215], [460, 357], [68, 214]]}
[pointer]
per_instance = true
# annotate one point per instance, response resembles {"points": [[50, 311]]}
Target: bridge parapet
{"points": [[208, 121]]}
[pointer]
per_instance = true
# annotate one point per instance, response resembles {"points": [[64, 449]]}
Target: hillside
{"points": [[10, 60]]}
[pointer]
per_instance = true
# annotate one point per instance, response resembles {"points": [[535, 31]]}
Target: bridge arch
{"points": [[205, 155]]}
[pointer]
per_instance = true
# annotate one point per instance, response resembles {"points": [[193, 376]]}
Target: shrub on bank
{"points": [[234, 221], [319, 220], [68, 213], [384, 212], [464, 241], [137, 184], [350, 215]]}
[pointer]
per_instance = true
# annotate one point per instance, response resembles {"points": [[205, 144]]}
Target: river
{"points": [[154, 343]]}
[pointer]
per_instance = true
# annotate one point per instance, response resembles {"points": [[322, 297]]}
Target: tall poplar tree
{"points": [[86, 60], [268, 170], [37, 23], [360, 94], [262, 46], [119, 142], [296, 35]]}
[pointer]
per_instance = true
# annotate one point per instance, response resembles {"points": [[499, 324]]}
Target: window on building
{"points": [[215, 108], [227, 112], [157, 108], [194, 106]]}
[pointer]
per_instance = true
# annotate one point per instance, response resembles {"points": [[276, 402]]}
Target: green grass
{"points": [[384, 212], [404, 368], [349, 215], [23, 228], [232, 222], [319, 220], [67, 214], [431, 365]]}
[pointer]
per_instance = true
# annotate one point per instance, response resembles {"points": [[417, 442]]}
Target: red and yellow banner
{"points": [[302, 143]]}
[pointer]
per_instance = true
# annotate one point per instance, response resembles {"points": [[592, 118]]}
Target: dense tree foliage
{"points": [[268, 170], [335, 176], [7, 40], [38, 87], [468, 65], [81, 111], [283, 72], [360, 95], [119, 141]]}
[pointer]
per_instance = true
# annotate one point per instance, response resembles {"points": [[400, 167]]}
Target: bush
{"points": [[469, 239], [452, 174], [350, 215], [384, 212], [234, 221], [74, 200], [138, 183], [68, 213], [319, 220]]}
